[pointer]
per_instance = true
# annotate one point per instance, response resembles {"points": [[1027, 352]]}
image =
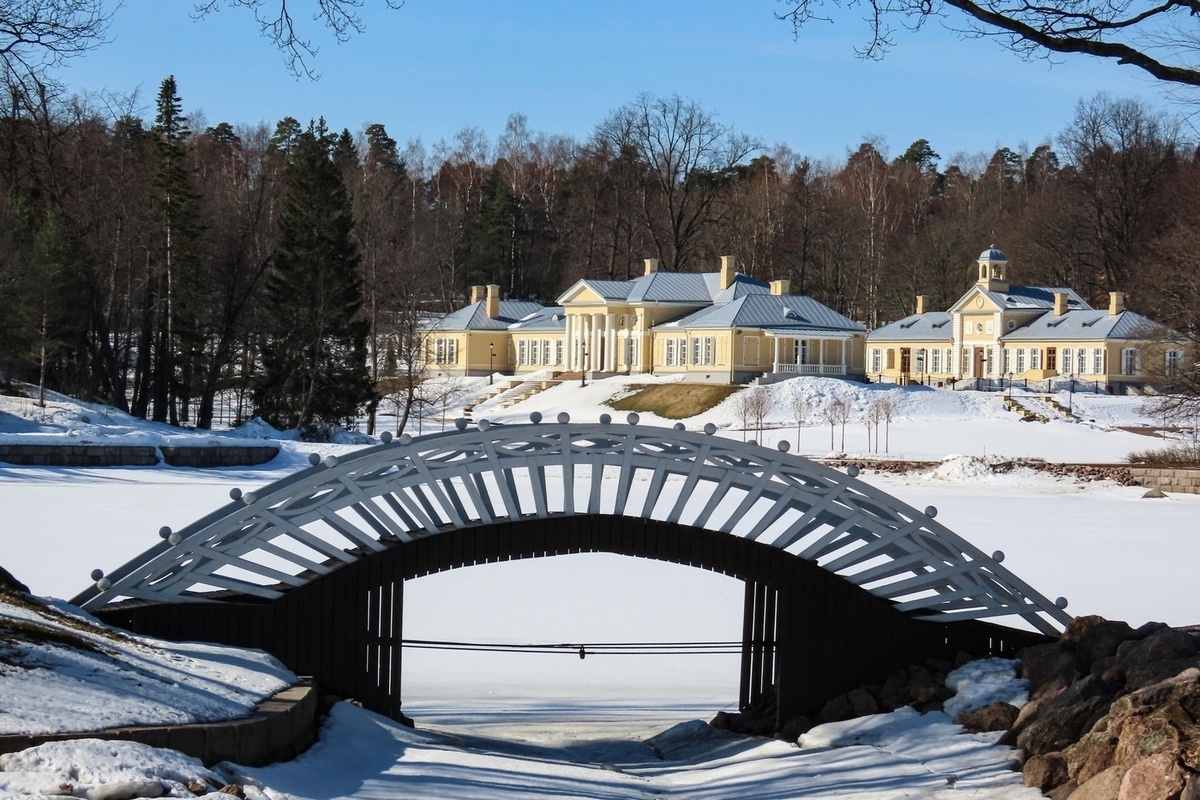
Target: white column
{"points": [[775, 365], [610, 346], [594, 343], [568, 344]]}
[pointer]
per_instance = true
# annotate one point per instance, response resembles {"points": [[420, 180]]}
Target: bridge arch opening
{"points": [[573, 599]]}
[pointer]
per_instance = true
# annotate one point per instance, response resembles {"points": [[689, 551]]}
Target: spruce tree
{"points": [[176, 286], [314, 357]]}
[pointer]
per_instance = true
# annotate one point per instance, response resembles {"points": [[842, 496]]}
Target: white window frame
{"points": [[1098, 361], [445, 351], [1068, 361], [1020, 360], [949, 360], [1130, 361], [935, 360], [919, 360], [876, 360], [1035, 358], [1173, 363]]}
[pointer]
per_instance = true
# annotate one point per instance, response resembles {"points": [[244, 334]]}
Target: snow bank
{"points": [[60, 673], [95, 768]]}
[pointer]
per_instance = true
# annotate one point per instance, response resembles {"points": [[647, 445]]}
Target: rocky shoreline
{"points": [[1113, 711]]}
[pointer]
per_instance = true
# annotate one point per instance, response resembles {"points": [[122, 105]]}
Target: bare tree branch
{"points": [[38, 34], [1162, 40], [276, 23]]}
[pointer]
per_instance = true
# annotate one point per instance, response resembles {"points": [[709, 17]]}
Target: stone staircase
{"points": [[1032, 408], [511, 391]]}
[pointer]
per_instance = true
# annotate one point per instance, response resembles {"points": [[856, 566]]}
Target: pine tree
{"points": [[314, 356]]}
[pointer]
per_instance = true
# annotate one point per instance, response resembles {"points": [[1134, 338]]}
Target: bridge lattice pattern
{"points": [[340, 510]]}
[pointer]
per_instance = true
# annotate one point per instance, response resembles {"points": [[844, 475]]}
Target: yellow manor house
{"points": [[726, 327], [1002, 332]]}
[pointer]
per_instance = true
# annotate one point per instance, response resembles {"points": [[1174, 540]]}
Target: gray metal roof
{"points": [[549, 318], [757, 310], [694, 288], [931, 326], [1086, 325], [474, 316], [1035, 297], [609, 290]]}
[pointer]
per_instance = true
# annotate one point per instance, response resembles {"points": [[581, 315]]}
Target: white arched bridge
{"points": [[843, 581]]}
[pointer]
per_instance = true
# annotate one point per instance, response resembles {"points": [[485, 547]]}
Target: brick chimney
{"points": [[651, 266], [1116, 303], [781, 287], [476, 294], [1060, 303], [493, 300], [728, 270], [920, 304]]}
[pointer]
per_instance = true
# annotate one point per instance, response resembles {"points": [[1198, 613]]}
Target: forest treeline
{"points": [[140, 258]]}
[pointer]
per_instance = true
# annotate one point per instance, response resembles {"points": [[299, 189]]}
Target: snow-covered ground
{"points": [[517, 725]]}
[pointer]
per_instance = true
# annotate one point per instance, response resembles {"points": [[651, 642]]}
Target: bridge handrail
{"points": [[419, 487]]}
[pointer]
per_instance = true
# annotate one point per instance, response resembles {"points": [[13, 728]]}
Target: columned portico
{"points": [[791, 358]]}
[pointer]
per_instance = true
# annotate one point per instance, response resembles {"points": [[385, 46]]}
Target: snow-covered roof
{"points": [[928, 327], [1087, 324], [474, 316], [778, 312], [547, 318]]}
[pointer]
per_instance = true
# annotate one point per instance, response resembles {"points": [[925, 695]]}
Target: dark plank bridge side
{"points": [[808, 634]]}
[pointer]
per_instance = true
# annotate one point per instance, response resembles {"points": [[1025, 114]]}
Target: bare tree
{"points": [[743, 406], [1159, 38], [687, 157], [842, 409], [277, 24], [830, 414], [883, 409], [800, 412], [761, 404]]}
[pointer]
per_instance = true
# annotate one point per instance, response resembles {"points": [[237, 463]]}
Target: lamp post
{"points": [[491, 358], [1010, 380], [583, 364], [1071, 394]]}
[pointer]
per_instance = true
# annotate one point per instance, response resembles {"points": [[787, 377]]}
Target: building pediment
{"points": [[977, 300]]}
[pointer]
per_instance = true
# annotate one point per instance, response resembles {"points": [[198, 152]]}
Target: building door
{"points": [[905, 360], [1051, 359], [977, 363]]}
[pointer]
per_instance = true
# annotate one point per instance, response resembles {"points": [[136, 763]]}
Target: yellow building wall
{"points": [[894, 373]]}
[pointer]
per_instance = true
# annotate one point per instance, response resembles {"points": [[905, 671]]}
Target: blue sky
{"points": [[436, 66]]}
